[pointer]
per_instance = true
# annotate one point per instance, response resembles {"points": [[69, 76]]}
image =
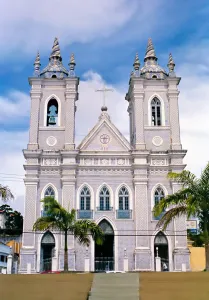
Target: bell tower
{"points": [[50, 154], [155, 140]]}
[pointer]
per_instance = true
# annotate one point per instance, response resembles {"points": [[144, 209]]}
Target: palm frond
{"points": [[168, 217], [48, 222], [5, 193], [185, 178]]}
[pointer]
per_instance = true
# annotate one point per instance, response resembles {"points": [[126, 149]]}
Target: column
{"points": [[68, 190], [9, 264], [34, 119], [139, 121], [181, 251], [28, 251], [71, 96], [174, 120], [142, 251]]}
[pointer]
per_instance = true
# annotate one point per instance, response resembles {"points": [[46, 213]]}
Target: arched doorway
{"points": [[47, 251], [161, 250], [104, 254]]}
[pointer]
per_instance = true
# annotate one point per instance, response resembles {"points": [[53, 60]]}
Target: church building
{"points": [[107, 179]]}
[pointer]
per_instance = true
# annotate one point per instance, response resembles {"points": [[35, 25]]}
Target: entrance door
{"points": [[104, 254], [161, 250], [47, 249]]}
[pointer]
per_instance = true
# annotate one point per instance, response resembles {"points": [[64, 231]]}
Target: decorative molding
{"points": [[159, 162], [50, 162], [104, 161], [157, 141], [50, 171], [158, 171], [51, 141], [104, 172]]}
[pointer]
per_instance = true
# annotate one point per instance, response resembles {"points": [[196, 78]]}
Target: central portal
{"points": [[104, 254]]}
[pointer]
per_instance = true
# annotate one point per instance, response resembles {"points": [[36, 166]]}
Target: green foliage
{"points": [[5, 193], [58, 218], [191, 200], [14, 221], [197, 239]]}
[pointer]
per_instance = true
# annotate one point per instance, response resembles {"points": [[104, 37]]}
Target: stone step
{"points": [[115, 286]]}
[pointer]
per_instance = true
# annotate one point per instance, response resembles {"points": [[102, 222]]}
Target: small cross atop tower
{"points": [[104, 90]]}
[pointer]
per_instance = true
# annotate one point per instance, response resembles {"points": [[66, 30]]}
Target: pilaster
{"points": [[174, 113], [36, 95], [71, 95]]}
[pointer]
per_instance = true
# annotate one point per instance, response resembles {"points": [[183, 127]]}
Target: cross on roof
{"points": [[104, 90]]}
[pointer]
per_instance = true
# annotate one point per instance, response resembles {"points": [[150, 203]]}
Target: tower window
{"points": [[123, 199], [156, 112], [52, 113], [159, 195], [85, 199], [104, 199]]}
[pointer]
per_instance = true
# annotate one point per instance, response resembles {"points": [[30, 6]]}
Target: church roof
{"points": [[55, 67], [104, 136]]}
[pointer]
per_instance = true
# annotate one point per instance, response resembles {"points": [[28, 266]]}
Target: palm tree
{"points": [[191, 200], [59, 218], [5, 193]]}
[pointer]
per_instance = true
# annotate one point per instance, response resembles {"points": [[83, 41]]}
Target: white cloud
{"points": [[14, 105], [28, 26]]}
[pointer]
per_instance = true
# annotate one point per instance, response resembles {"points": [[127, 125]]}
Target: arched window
{"points": [[104, 199], [48, 193], [123, 199], [52, 113], [156, 112], [85, 199], [159, 194]]}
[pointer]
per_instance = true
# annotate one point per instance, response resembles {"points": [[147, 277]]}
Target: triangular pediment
{"points": [[104, 137]]}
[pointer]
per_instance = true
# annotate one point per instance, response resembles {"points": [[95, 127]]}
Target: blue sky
{"points": [[104, 35]]}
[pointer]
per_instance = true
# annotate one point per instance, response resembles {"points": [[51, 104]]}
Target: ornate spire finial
{"points": [[72, 65], [171, 65], [136, 63], [37, 65], [72, 62], [150, 52], [56, 50]]}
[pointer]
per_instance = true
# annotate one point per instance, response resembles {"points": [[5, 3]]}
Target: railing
{"points": [[158, 217], [104, 264], [105, 208], [84, 214], [46, 265], [124, 214]]}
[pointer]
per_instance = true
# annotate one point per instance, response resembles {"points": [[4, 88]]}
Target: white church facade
{"points": [[106, 178]]}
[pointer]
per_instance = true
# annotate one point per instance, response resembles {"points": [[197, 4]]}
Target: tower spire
{"points": [[37, 65], [136, 63], [55, 54], [150, 52], [171, 66], [72, 65]]}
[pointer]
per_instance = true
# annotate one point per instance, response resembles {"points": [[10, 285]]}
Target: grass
{"points": [[45, 287], [174, 286]]}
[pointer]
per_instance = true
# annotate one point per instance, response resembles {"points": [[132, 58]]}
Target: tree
{"points": [[14, 221], [191, 200], [58, 218], [5, 193]]}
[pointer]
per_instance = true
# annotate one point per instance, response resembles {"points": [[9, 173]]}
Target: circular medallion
{"points": [[121, 161], [104, 139], [51, 141], [157, 141]]}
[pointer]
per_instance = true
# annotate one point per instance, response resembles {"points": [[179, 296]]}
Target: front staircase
{"points": [[115, 286]]}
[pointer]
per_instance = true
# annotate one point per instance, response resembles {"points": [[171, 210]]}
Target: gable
{"points": [[104, 137]]}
